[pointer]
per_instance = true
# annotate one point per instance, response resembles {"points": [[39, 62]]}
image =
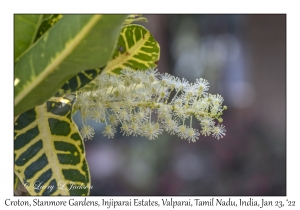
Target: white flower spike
{"points": [[133, 97]]}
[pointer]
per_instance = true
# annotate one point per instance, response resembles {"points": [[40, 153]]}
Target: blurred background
{"points": [[244, 59]]}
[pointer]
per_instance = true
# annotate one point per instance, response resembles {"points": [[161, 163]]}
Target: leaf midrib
{"points": [[47, 144], [122, 58]]}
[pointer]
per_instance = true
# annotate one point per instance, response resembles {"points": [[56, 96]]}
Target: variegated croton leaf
{"points": [[49, 153], [136, 49]]}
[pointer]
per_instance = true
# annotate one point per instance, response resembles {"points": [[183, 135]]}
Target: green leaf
{"points": [[134, 18], [136, 49], [49, 150], [85, 77], [73, 44], [48, 22], [78, 81], [25, 29]]}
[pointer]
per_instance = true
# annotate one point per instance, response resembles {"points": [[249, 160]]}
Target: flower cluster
{"points": [[141, 103]]}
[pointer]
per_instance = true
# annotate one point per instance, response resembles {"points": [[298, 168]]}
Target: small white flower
{"points": [[163, 111], [189, 92], [182, 131], [205, 130], [124, 114], [118, 93], [143, 94], [192, 134], [168, 80], [214, 110], [177, 102], [170, 125], [129, 101], [142, 115], [218, 131], [87, 132], [152, 75], [217, 100], [181, 84], [137, 77], [98, 115], [207, 121], [203, 104], [163, 93], [114, 80], [109, 131], [83, 100], [102, 80], [181, 112], [113, 120], [125, 129], [152, 130], [127, 76], [202, 85], [135, 128]]}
